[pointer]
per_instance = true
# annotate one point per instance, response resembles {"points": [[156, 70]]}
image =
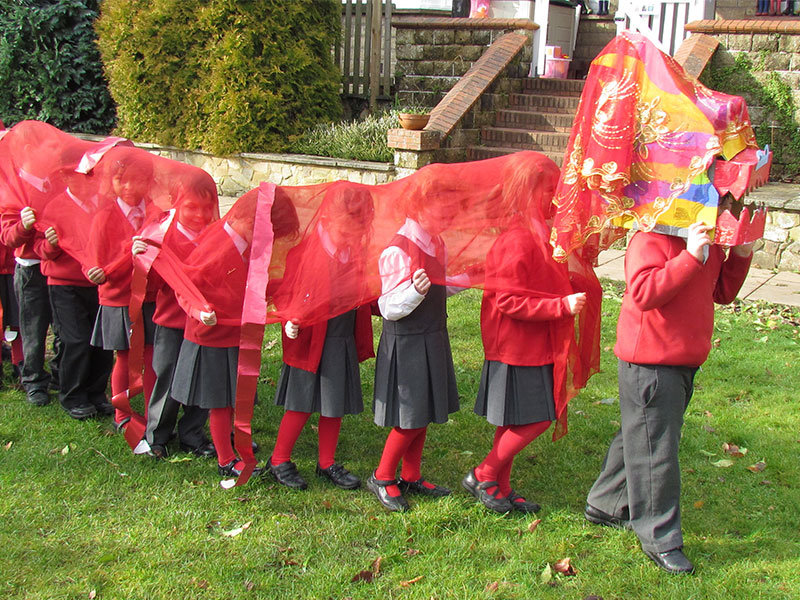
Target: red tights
{"points": [[509, 441], [405, 445], [220, 424], [292, 425], [120, 376]]}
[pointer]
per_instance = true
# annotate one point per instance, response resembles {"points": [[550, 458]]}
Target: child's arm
{"points": [[400, 295], [652, 277], [46, 247], [13, 233], [734, 272]]}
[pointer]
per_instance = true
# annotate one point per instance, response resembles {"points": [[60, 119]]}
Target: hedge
{"points": [[50, 68], [224, 76]]}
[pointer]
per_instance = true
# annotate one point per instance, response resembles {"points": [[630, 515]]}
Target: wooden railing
{"points": [[365, 52], [662, 21]]}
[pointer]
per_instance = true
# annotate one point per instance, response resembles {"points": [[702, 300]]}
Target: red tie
{"points": [[135, 217]]}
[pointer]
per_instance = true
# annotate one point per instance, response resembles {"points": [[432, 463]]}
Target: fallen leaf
{"points": [[709, 429], [608, 401], [580, 412], [690, 470], [201, 583], [492, 587], [315, 428], [249, 585], [270, 344], [376, 565], [534, 524], [410, 581], [412, 552], [765, 482], [92, 594], [327, 504], [707, 453], [365, 575], [708, 414], [65, 450], [723, 463], [243, 499], [734, 450], [716, 343], [757, 467], [8, 445], [699, 503], [564, 567], [237, 530], [547, 574]]}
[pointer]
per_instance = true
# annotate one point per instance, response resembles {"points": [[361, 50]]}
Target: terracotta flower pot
{"points": [[413, 121]]}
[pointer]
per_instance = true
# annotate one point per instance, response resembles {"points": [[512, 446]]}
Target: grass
{"points": [[82, 517]]}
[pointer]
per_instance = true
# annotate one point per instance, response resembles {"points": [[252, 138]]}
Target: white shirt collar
{"points": [[127, 208], [87, 206], [34, 181], [414, 232], [190, 235], [238, 241], [340, 254]]}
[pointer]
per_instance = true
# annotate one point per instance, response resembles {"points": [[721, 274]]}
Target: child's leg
{"points": [[412, 459], [329, 428], [220, 422], [119, 379], [292, 424], [397, 444], [149, 378], [506, 447]]}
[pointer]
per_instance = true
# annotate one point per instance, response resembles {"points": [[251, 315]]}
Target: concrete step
{"points": [[482, 152], [541, 141], [544, 103], [563, 87], [526, 119]]}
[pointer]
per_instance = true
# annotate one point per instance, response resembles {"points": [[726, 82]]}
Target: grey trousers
{"points": [[162, 412], [35, 316], [641, 479]]}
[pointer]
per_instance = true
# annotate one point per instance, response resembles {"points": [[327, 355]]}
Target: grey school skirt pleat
{"points": [[113, 324], [205, 376], [8, 298], [415, 383], [511, 395], [335, 389]]}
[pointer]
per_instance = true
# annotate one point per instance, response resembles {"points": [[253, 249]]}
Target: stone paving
{"points": [[780, 288]]}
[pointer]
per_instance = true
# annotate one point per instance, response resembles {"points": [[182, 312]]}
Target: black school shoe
{"points": [[522, 505], [81, 413], [378, 487], [39, 398], [230, 470], [672, 561], [158, 451], [417, 487], [286, 474], [599, 517], [478, 489], [204, 450], [339, 476], [104, 407]]}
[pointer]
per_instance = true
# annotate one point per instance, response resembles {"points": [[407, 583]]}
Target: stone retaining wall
{"points": [[780, 247]]}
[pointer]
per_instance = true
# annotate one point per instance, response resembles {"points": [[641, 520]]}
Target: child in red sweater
{"points": [[663, 336], [527, 324]]}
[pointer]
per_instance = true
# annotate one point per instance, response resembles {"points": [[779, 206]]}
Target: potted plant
{"points": [[415, 117]]}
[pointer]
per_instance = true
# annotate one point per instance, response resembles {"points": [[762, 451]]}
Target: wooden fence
{"points": [[365, 52]]}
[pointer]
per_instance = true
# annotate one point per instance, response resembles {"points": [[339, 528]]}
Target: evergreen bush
{"points": [[221, 75], [50, 68]]}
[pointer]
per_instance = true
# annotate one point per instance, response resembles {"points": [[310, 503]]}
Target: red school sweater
{"points": [[14, 235], [59, 267], [667, 314], [168, 312]]}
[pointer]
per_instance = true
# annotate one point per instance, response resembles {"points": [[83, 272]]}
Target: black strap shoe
{"points": [[42, 398], [158, 451], [478, 489], [286, 474], [81, 413], [598, 517], [205, 450], [672, 561], [522, 505], [419, 487], [104, 407], [378, 487], [230, 470], [339, 476]]}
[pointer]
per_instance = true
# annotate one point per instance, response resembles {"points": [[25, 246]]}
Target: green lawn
{"points": [[82, 517]]}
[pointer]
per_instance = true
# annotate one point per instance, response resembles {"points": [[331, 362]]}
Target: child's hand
{"points": [[421, 282], [292, 329], [698, 239], [208, 319], [576, 302], [96, 275], [28, 217], [743, 250], [51, 236], [139, 245]]}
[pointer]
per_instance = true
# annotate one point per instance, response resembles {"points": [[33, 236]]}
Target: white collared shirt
{"points": [[238, 241], [127, 208], [340, 254], [41, 185], [188, 233], [87, 206]]}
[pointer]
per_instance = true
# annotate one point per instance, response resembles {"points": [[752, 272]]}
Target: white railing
{"points": [[662, 21]]}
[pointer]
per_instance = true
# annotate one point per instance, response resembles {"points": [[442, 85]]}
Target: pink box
{"points": [[556, 68]]}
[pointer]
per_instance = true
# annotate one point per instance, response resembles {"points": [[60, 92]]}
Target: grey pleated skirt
{"points": [[511, 395], [205, 376], [8, 298], [335, 389], [415, 383], [113, 324]]}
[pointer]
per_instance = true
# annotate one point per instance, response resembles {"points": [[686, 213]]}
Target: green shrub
{"points": [[50, 68], [355, 140], [222, 75]]}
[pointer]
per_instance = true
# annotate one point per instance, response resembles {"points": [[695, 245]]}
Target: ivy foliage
{"points": [[772, 95], [224, 76], [50, 68]]}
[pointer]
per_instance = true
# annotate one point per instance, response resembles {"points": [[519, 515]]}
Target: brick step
{"points": [[482, 152], [544, 102], [563, 87], [541, 141], [550, 121]]}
